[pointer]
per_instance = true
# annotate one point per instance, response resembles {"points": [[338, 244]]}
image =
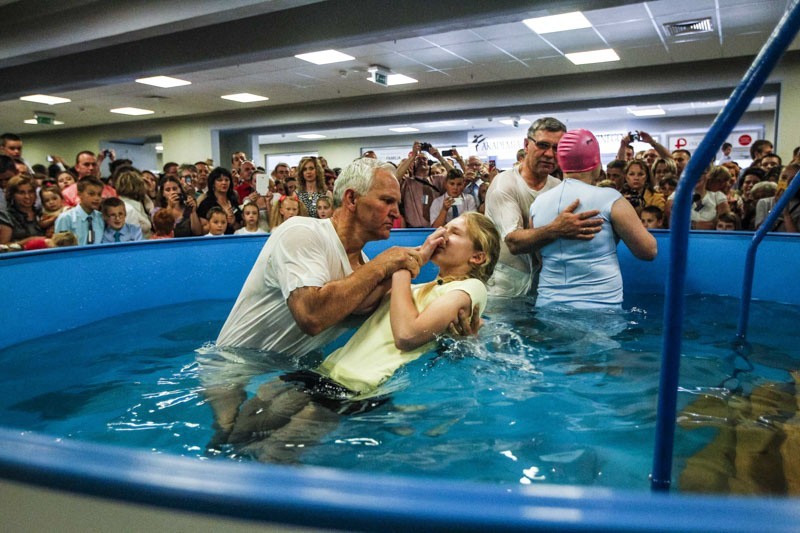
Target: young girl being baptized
{"points": [[299, 408]]}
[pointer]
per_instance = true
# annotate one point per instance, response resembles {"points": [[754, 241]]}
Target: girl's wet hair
{"points": [[486, 239]]}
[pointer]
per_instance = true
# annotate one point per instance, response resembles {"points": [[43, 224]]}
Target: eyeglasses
{"points": [[544, 146]]}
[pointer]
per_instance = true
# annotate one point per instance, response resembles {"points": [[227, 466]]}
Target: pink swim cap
{"points": [[578, 151]]}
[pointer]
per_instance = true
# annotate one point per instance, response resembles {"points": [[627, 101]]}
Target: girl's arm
{"points": [[411, 328]]}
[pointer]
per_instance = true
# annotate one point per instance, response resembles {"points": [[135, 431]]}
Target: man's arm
{"points": [[317, 308], [436, 154], [658, 147], [405, 164], [567, 225]]}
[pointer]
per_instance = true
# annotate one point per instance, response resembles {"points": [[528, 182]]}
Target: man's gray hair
{"points": [[547, 124], [357, 176]]}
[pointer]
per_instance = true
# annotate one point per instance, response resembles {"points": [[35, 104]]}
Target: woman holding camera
{"points": [[172, 197]]}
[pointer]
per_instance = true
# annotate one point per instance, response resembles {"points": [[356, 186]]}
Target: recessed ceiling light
{"points": [[567, 21], [400, 79], [510, 121], [594, 56], [244, 97], [165, 82], [34, 121], [311, 136], [404, 129], [324, 57], [44, 99], [131, 111], [651, 112]]}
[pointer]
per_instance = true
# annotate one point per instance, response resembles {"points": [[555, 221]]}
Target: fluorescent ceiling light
{"points": [[324, 57], [165, 82], [131, 111], [244, 97], [400, 79], [44, 99], [311, 136], [404, 129], [594, 56], [651, 112], [554, 23], [510, 121], [34, 121]]}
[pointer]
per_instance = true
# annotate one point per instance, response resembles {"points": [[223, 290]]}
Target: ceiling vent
{"points": [[688, 27]]}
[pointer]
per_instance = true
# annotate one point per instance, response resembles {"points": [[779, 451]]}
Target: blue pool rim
{"points": [[322, 497]]}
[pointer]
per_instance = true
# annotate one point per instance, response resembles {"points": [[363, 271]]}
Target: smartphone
{"points": [[492, 163], [447, 153], [262, 184], [458, 201], [49, 159]]}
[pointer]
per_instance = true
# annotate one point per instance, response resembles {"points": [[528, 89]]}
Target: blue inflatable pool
{"points": [[46, 483]]}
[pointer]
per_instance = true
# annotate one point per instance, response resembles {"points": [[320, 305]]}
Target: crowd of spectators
{"points": [[40, 206]]}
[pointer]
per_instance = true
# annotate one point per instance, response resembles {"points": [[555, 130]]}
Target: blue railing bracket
{"points": [[753, 80]]}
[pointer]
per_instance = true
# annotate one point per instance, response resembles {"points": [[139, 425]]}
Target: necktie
{"points": [[116, 236], [454, 211], [90, 234]]}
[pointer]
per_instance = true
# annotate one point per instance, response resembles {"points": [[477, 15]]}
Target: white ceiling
{"points": [[477, 46]]}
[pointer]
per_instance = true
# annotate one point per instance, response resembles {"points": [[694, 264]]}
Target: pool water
{"points": [[564, 397]]}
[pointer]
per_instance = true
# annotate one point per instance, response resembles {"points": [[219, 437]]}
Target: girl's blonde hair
{"points": [[485, 238], [275, 218]]}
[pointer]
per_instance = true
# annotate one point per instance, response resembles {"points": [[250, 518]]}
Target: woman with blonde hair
{"points": [[310, 183], [132, 190]]}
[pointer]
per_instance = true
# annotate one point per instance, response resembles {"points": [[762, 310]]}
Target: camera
{"points": [[425, 147], [633, 137], [183, 197], [447, 153], [106, 153]]}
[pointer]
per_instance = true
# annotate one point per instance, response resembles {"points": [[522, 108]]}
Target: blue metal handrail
{"points": [[750, 260], [679, 227]]}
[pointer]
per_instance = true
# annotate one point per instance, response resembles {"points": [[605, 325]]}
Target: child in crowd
{"points": [[728, 222], [163, 224], [117, 230], [217, 221], [63, 238], [652, 217], [324, 207], [85, 221], [454, 202], [667, 185], [250, 215], [287, 207], [52, 206]]}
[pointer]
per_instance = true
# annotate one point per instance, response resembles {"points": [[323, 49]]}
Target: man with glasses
{"points": [[508, 202]]}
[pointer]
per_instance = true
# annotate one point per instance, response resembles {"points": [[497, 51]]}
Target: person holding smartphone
{"points": [[454, 202]]}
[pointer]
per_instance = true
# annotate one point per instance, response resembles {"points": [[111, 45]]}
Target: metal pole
{"points": [[750, 260], [680, 223]]}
